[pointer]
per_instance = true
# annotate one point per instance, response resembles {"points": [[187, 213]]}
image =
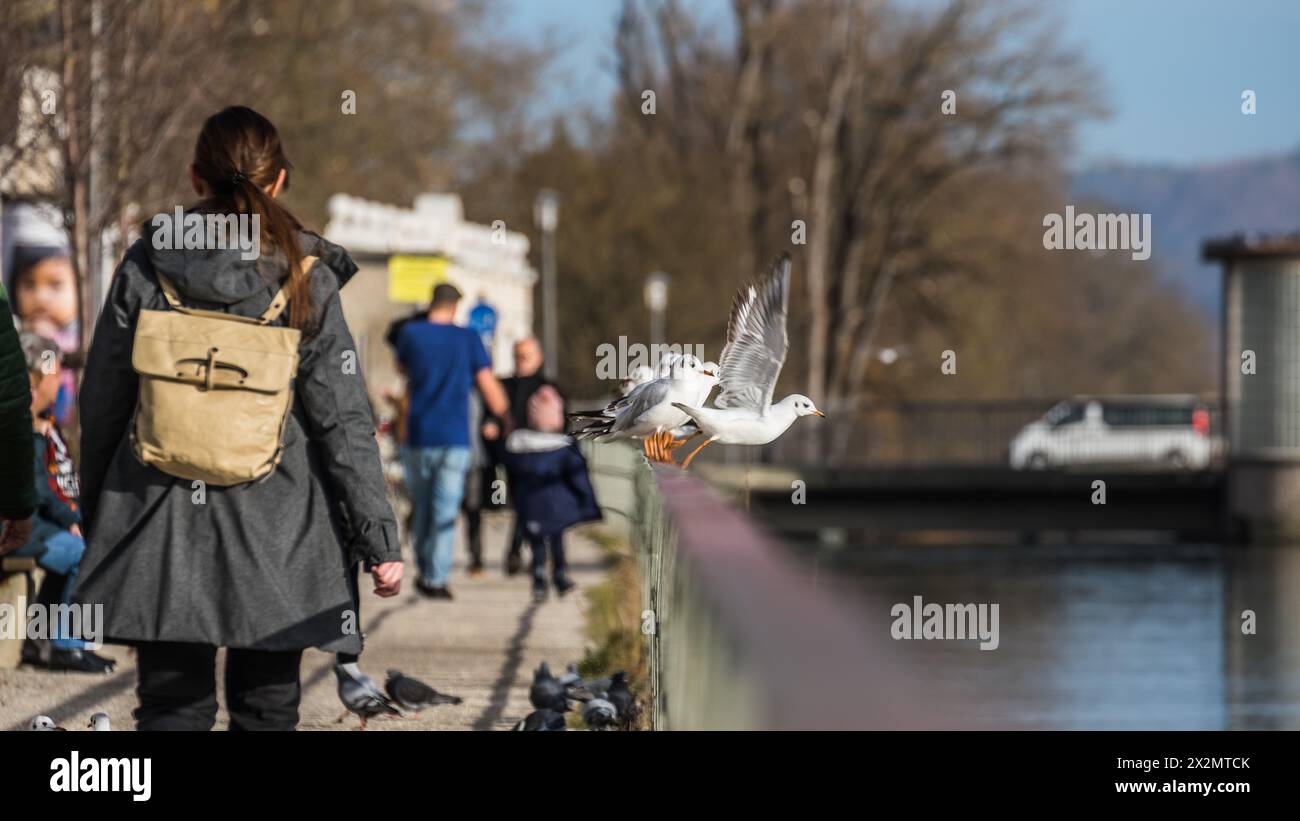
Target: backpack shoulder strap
{"points": [[169, 290], [281, 298]]}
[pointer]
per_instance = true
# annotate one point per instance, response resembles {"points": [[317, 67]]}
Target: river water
{"points": [[1096, 636]]}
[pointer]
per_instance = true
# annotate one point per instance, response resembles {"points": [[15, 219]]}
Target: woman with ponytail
{"points": [[267, 568]]}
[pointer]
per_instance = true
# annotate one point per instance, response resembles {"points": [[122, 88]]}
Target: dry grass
{"points": [[614, 622]]}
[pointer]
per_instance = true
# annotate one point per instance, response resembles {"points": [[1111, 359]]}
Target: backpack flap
{"points": [[213, 353]]}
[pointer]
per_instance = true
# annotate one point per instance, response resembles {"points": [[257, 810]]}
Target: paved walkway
{"points": [[483, 647]]}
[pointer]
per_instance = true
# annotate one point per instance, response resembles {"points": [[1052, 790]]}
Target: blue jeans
{"points": [[435, 480], [63, 556]]}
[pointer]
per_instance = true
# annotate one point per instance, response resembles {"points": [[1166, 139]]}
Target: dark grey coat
{"points": [[265, 565]]}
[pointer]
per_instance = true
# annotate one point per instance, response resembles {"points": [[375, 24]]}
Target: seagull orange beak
{"points": [[707, 373], [819, 413]]}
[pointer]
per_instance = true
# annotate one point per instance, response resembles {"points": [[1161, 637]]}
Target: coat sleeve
{"points": [[17, 484], [342, 426], [109, 386]]}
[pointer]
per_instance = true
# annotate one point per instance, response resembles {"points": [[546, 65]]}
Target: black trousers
{"points": [[478, 497], [178, 691], [541, 546]]}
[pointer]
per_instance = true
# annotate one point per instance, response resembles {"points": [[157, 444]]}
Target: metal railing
{"points": [[741, 637]]}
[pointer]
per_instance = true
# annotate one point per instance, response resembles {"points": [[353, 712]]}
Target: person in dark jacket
{"points": [[520, 388], [265, 569], [56, 542], [549, 486], [17, 481]]}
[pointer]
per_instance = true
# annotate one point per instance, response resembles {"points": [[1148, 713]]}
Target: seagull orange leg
{"points": [[687, 463]]}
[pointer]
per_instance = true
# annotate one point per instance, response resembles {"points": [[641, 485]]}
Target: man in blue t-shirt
{"points": [[443, 363]]}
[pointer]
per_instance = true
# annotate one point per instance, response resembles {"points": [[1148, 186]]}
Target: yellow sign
{"points": [[411, 279]]}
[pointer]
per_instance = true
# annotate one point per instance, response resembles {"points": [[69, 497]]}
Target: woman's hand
{"points": [[388, 578]]}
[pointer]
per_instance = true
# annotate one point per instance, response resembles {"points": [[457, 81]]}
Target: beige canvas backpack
{"points": [[215, 390]]}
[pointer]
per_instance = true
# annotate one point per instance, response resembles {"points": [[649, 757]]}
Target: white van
{"points": [[1168, 431]]}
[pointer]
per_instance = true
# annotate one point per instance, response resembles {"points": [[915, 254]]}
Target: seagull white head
{"points": [[41, 723], [803, 406], [711, 372], [690, 364], [666, 364], [100, 723]]}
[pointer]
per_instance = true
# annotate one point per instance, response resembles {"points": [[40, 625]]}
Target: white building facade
{"points": [[488, 263]]}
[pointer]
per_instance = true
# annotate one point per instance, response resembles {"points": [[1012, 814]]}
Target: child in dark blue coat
{"points": [[551, 492]]}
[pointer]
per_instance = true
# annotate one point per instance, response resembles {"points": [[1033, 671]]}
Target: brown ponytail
{"points": [[238, 155]]}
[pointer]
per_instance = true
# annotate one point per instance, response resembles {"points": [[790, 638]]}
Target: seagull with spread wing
{"points": [[757, 343]]}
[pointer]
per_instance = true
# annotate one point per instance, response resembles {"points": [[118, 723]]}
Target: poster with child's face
{"points": [[44, 299]]}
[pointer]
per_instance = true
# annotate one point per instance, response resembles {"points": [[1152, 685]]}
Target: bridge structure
{"points": [[1183, 506]]}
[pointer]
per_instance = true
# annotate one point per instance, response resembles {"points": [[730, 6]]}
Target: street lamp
{"points": [[546, 214], [656, 299]]}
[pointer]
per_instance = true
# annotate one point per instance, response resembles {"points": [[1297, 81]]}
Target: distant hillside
{"points": [[1187, 205]]}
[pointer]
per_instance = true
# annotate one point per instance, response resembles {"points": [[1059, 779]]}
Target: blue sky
{"points": [[1171, 71]]}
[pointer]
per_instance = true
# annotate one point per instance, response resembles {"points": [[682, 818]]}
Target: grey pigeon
{"points": [[599, 714], [99, 723], [570, 676], [547, 693], [541, 721], [413, 694], [360, 695], [621, 697], [586, 690]]}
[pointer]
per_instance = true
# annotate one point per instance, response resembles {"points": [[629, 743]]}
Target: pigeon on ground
{"points": [[99, 723], [586, 690], [621, 697], [413, 694], [570, 675], [540, 721], [44, 724], [600, 714], [547, 693], [360, 695]]}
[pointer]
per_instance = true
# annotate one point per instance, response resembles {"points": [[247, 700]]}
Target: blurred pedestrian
{"points": [[17, 483], [550, 488], [265, 568], [443, 364], [56, 540], [520, 388]]}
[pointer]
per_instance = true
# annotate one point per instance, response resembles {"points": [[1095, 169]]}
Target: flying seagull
{"points": [[360, 695], [757, 343], [650, 409], [413, 694]]}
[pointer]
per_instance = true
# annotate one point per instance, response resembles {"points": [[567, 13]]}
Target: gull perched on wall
{"points": [[757, 344], [650, 409]]}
